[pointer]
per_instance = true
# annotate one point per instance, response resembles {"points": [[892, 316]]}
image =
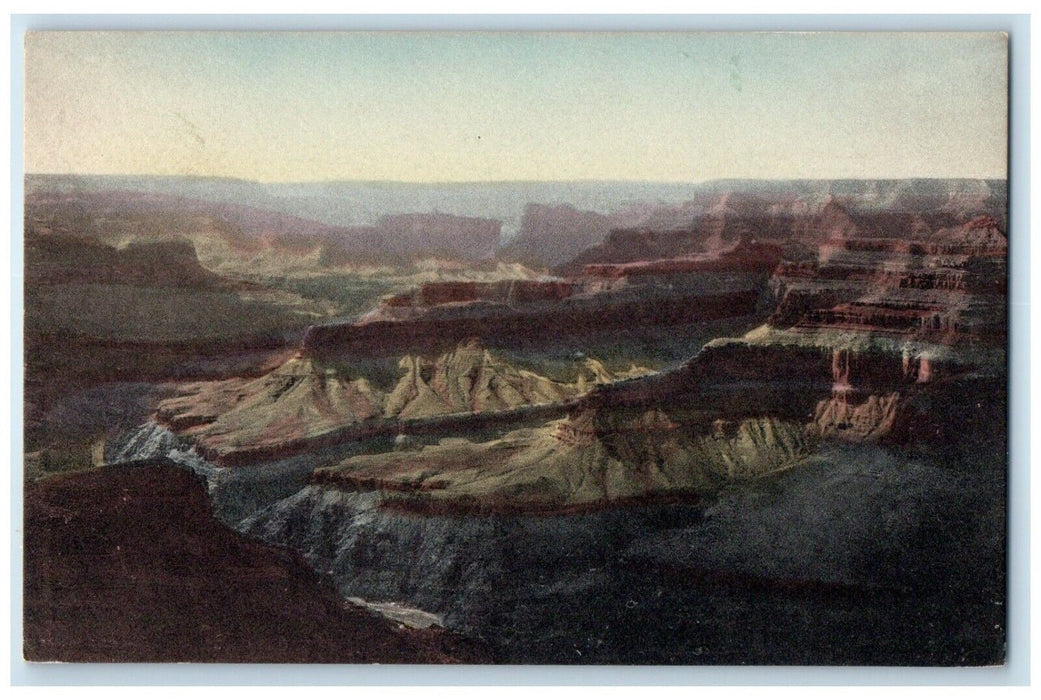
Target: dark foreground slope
{"points": [[128, 564]]}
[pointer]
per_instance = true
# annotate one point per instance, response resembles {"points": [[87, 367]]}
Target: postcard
{"points": [[630, 348]]}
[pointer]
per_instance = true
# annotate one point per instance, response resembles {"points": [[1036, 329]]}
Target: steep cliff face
{"points": [[797, 221], [881, 322], [946, 284], [58, 259], [852, 387], [577, 318]]}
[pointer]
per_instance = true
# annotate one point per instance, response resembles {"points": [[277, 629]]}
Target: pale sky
{"points": [[541, 106]]}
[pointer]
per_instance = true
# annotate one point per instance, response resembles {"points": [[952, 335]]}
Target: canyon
{"points": [[762, 425]]}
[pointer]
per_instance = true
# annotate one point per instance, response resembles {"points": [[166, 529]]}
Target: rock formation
{"points": [[875, 314], [551, 235], [305, 403]]}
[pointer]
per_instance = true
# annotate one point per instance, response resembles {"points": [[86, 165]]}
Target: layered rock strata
{"points": [[305, 404], [865, 341], [534, 313], [870, 332]]}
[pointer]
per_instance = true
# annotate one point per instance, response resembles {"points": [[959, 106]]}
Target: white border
{"points": [[1017, 670]]}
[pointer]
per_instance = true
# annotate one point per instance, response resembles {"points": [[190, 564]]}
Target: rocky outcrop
{"points": [[731, 220], [305, 404], [587, 461], [469, 379], [57, 259], [947, 285], [296, 402], [551, 235], [795, 221]]}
